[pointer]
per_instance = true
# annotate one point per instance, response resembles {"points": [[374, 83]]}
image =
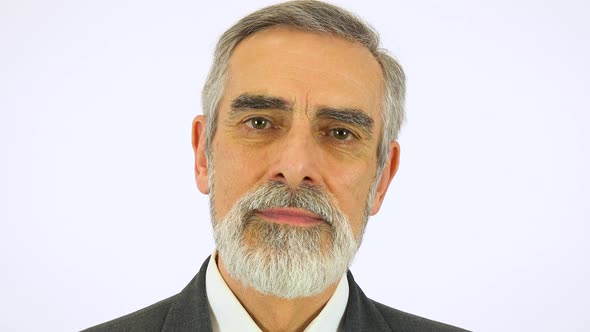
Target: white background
{"points": [[484, 227]]}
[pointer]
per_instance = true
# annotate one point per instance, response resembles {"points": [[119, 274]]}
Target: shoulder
{"points": [[151, 318], [364, 314], [185, 311], [404, 321]]}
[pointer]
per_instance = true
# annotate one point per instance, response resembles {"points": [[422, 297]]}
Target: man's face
{"points": [[300, 109], [310, 72]]}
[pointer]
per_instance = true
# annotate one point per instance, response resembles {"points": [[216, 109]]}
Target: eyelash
{"points": [[331, 132], [250, 125], [351, 135]]}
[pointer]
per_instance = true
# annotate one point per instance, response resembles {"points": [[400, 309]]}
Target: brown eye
{"points": [[341, 134], [258, 123]]}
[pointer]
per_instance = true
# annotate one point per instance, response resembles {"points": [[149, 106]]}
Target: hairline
{"points": [[306, 18], [211, 130]]}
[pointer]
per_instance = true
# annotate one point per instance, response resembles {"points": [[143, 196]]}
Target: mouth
{"points": [[290, 216]]}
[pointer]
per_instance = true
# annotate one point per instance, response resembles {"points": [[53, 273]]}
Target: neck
{"points": [[273, 313]]}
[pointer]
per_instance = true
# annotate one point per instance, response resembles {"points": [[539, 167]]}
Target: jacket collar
{"points": [[361, 313], [190, 310]]}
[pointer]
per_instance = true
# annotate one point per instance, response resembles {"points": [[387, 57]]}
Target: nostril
{"points": [[291, 179]]}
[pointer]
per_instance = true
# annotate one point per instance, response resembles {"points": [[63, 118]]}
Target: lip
{"points": [[290, 216]]}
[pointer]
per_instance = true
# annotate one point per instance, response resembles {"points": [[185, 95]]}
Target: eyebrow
{"points": [[351, 116], [260, 102]]}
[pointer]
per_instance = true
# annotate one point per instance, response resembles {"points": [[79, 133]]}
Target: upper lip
{"points": [[291, 211]]}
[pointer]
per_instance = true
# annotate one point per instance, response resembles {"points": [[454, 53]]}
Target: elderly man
{"points": [[296, 149]]}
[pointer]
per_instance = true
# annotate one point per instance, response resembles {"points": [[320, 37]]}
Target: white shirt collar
{"points": [[227, 313]]}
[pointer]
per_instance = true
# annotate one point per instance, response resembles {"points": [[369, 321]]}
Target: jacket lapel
{"points": [[190, 310], [361, 314]]}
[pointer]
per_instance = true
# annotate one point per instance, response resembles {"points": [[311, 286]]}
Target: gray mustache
{"points": [[275, 194]]}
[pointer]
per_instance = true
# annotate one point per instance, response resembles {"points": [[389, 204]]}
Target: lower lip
{"points": [[290, 216]]}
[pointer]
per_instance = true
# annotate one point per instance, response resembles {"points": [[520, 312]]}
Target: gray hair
{"points": [[317, 17]]}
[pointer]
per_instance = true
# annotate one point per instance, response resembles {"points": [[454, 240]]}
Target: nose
{"points": [[297, 159]]}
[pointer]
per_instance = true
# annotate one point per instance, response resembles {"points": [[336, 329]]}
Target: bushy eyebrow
{"points": [[352, 116], [259, 102]]}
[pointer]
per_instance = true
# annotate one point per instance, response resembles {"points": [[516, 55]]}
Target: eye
{"points": [[341, 134], [258, 123]]}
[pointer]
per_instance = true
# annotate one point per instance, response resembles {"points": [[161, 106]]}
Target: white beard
{"points": [[283, 260]]}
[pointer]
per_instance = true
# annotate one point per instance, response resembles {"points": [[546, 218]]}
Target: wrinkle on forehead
{"points": [[308, 68]]}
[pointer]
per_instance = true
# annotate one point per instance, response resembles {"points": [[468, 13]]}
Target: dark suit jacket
{"points": [[189, 311]]}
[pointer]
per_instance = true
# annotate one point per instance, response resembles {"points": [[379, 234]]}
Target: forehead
{"points": [[306, 68]]}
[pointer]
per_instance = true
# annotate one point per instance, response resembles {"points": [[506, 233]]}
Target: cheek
{"points": [[353, 190], [236, 172]]}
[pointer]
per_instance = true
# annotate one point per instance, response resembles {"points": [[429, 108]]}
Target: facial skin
{"points": [[298, 108], [311, 72]]}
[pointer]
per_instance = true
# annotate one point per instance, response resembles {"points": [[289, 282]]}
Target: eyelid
{"points": [[352, 134], [350, 131], [248, 120]]}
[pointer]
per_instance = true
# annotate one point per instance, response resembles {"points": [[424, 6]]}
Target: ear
{"points": [[201, 166], [388, 174]]}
